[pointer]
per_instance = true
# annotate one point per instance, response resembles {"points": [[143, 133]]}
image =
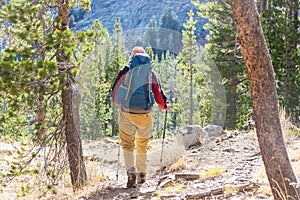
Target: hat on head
{"points": [[137, 49]]}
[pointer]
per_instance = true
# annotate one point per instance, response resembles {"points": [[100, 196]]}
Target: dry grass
{"points": [[286, 122], [64, 190], [212, 172], [293, 152], [171, 189], [177, 166], [228, 190], [7, 139], [295, 157], [260, 175]]}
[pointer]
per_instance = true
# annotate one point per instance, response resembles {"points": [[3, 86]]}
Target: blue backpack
{"points": [[136, 89]]}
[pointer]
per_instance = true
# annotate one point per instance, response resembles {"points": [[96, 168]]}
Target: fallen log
{"points": [[186, 176], [220, 190], [165, 183]]}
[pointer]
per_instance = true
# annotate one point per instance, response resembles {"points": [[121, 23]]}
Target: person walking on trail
{"points": [[134, 91]]}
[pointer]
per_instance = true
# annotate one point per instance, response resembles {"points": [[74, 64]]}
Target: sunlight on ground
{"points": [[260, 176], [98, 177], [212, 172]]}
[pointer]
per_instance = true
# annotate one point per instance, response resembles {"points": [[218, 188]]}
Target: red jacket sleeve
{"points": [[159, 95]]}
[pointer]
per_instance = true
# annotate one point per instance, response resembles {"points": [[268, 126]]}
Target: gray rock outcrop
{"points": [[136, 14], [6, 148], [213, 131], [190, 135]]}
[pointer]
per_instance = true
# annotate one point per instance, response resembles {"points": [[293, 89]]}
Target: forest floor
{"points": [[228, 168]]}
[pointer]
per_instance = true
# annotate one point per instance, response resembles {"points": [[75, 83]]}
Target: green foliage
{"points": [[295, 132], [27, 58], [280, 23], [16, 125], [151, 33], [118, 61], [169, 21], [38, 60], [165, 70], [281, 29], [168, 34], [85, 4], [223, 51], [119, 51], [189, 79], [98, 113], [90, 75]]}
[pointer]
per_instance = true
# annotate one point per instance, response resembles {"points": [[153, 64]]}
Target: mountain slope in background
{"points": [[135, 14]]}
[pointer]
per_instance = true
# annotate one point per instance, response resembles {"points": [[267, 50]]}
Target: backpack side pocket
{"points": [[122, 93]]}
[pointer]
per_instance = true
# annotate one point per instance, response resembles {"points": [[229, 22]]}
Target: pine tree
{"points": [[95, 89], [118, 48], [281, 27], [118, 56], [224, 53], [37, 65], [151, 35], [165, 70], [265, 100], [168, 34], [187, 59]]}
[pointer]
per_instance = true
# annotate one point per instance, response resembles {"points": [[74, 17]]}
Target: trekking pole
{"points": [[117, 175], [162, 147]]}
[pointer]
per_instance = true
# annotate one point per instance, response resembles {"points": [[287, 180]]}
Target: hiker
{"points": [[135, 117]]}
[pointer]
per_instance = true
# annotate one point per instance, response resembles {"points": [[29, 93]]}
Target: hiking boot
{"points": [[141, 178], [131, 178]]}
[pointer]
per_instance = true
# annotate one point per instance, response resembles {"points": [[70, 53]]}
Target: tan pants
{"points": [[135, 128]]}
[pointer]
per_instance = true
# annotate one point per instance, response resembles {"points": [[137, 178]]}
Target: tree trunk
{"points": [[191, 93], [264, 99], [261, 5], [2, 3], [71, 102], [232, 99], [41, 116]]}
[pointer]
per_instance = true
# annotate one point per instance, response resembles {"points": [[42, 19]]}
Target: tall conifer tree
{"points": [[151, 35], [118, 62], [37, 65], [281, 28], [187, 59], [223, 51]]}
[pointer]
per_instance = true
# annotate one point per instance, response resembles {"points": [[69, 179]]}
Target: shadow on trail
{"points": [[117, 192]]}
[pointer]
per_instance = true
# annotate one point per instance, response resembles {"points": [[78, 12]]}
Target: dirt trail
{"points": [[237, 159], [231, 168], [106, 150]]}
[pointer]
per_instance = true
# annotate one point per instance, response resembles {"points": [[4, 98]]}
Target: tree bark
{"points": [[191, 92], [264, 100], [71, 102], [41, 116], [261, 5], [232, 99]]}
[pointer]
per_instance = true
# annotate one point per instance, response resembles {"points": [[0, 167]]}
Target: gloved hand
{"points": [[164, 107]]}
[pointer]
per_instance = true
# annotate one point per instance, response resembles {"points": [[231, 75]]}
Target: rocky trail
{"points": [[216, 170], [228, 167]]}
